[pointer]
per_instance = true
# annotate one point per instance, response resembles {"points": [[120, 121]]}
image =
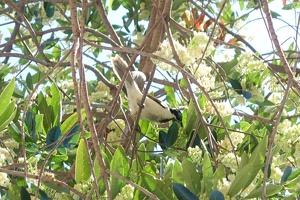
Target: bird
{"points": [[153, 109]]}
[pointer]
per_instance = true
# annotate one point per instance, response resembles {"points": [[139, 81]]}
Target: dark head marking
{"points": [[177, 113]]}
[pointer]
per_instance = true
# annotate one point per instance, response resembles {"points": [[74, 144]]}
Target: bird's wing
{"points": [[161, 103]]}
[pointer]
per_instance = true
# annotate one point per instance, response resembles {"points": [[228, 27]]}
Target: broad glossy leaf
{"points": [[29, 82], [6, 95], [287, 172], [170, 97], [172, 134], [191, 177], [191, 118], [271, 189], [114, 4], [196, 141], [71, 121], [162, 137], [56, 52], [49, 9], [219, 174], [14, 192], [216, 195], [236, 85], [31, 125], [119, 165], [243, 176], [55, 102], [24, 194], [8, 115], [183, 193], [46, 111], [82, 167], [162, 190], [207, 170], [177, 175], [52, 136]]}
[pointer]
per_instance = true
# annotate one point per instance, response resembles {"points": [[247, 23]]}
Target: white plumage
{"points": [[152, 109]]}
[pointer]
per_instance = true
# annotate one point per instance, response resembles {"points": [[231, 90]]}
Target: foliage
{"points": [[65, 133]]}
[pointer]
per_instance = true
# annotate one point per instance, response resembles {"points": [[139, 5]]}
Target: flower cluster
{"points": [[203, 75], [102, 93], [115, 128], [145, 13], [289, 133], [126, 193], [7, 156], [83, 188], [195, 154], [235, 137], [247, 64], [223, 108], [196, 48], [229, 160]]}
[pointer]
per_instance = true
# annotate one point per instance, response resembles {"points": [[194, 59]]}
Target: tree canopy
{"points": [[65, 128]]}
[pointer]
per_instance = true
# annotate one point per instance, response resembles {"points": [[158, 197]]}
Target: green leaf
{"points": [[55, 103], [71, 121], [294, 174], [191, 177], [46, 111], [8, 115], [236, 85], [177, 175], [191, 118], [172, 134], [196, 141], [216, 195], [6, 95], [31, 125], [49, 9], [147, 178], [287, 172], [170, 96], [162, 191], [119, 165], [243, 176], [275, 14], [82, 167], [290, 6], [246, 174], [29, 82], [242, 5], [219, 174], [162, 137], [24, 194], [114, 4], [52, 136], [183, 193], [14, 192], [207, 170], [271, 189], [56, 52]]}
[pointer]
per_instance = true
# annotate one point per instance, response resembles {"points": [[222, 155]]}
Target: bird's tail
{"points": [[119, 68]]}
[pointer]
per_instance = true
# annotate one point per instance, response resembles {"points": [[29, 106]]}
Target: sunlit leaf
{"points": [[119, 165], [271, 189], [82, 167], [6, 95], [191, 177]]}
